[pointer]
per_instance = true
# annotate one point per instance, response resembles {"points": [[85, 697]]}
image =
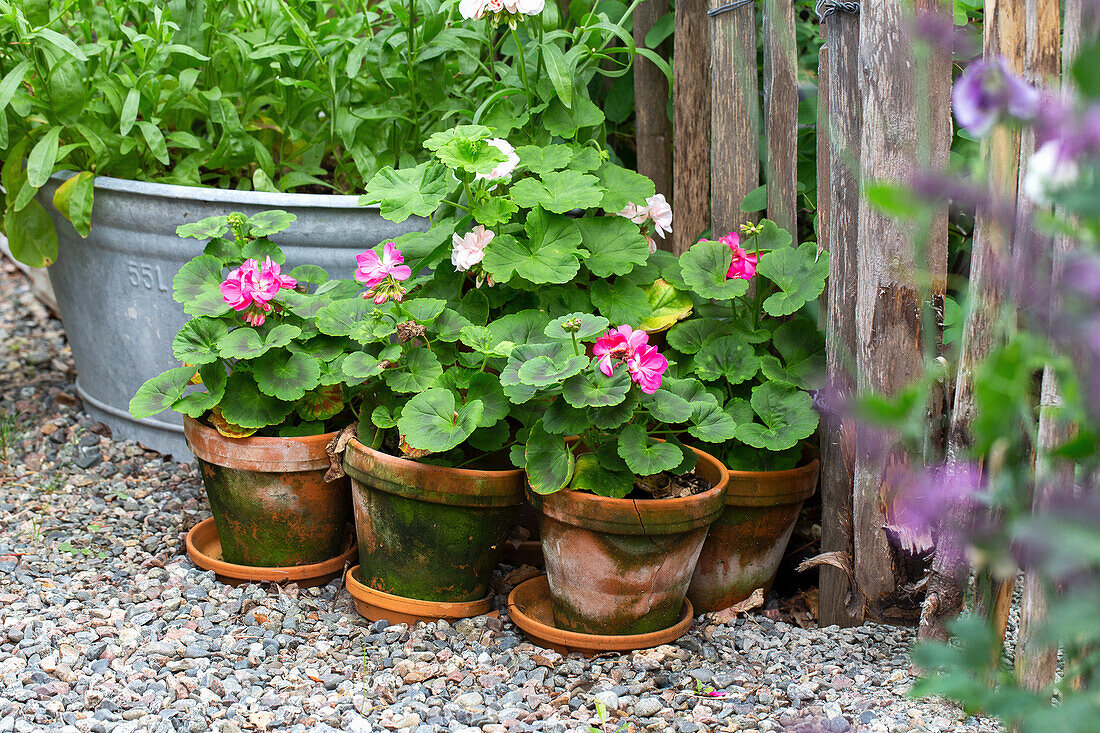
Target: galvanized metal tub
{"points": [[114, 289]]}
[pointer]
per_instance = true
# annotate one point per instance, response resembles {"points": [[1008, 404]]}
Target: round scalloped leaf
{"points": [[410, 191], [196, 404], [514, 388], [245, 405], [432, 421], [562, 419], [615, 245], [690, 336], [592, 389], [787, 413], [548, 254], [486, 389], [361, 365], [159, 393], [712, 423], [667, 306], [802, 347], [620, 302], [691, 390], [208, 228], [525, 327], [271, 222], [549, 462], [325, 348], [198, 287], [226, 428], [541, 160], [321, 403], [309, 275], [422, 310], [609, 418], [585, 325], [492, 438], [704, 268], [448, 325], [623, 186], [799, 274], [646, 457], [263, 249], [420, 371], [383, 417], [197, 342], [590, 475], [542, 371], [285, 374], [341, 317], [482, 340], [559, 191], [727, 358], [667, 407], [249, 343]]}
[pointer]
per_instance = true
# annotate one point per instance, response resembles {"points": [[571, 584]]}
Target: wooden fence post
{"points": [[691, 123], [781, 102], [653, 130], [889, 298], [735, 115], [841, 128]]}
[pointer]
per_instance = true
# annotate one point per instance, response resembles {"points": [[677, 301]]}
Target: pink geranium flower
{"points": [[252, 286], [660, 213], [744, 263], [646, 367], [617, 344], [469, 250], [374, 269]]}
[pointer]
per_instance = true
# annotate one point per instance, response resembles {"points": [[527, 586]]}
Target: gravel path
{"points": [[106, 626]]}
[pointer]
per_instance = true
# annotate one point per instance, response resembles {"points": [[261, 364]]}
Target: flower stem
{"points": [[522, 66]]}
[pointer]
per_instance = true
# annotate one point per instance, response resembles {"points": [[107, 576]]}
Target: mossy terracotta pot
{"points": [[269, 497], [622, 566], [746, 544], [427, 532]]}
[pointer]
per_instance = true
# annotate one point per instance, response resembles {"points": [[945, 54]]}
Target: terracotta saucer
{"points": [[205, 550], [529, 608], [375, 605]]}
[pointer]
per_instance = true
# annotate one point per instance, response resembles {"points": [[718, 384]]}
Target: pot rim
{"points": [[408, 464], [360, 591], [775, 488], [662, 516], [210, 194], [257, 453]]}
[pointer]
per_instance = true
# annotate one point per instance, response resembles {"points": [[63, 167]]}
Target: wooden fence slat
{"points": [[889, 299], [735, 116], [653, 129], [842, 132], [781, 102], [691, 123]]}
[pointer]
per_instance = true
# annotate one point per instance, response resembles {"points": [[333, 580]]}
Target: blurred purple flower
{"points": [[917, 510], [990, 90]]}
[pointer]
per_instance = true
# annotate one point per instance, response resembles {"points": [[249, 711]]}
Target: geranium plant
{"points": [[751, 341], [252, 342]]}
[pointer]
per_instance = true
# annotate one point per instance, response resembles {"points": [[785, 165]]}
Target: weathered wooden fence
{"points": [[884, 94]]}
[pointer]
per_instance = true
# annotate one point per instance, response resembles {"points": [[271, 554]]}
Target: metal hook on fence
{"points": [[825, 8], [728, 7]]}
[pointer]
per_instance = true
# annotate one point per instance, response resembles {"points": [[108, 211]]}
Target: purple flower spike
{"points": [[989, 90]]}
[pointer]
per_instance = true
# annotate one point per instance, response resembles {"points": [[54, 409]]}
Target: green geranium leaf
{"points": [[309, 275], [481, 340], [590, 475], [623, 187], [322, 403], [802, 347], [493, 210], [740, 410], [517, 391], [325, 348], [432, 421], [271, 222], [799, 274], [547, 255], [468, 154], [159, 393], [409, 192], [667, 306], [548, 460], [423, 310], [704, 268], [467, 133], [525, 327], [562, 419], [620, 302], [486, 389], [564, 122], [197, 342], [490, 439], [592, 388], [609, 418], [787, 413], [712, 423], [583, 326], [691, 390], [726, 358], [541, 160], [667, 407], [361, 365], [559, 191], [262, 249], [690, 457], [420, 371], [586, 159], [198, 287], [615, 245], [31, 234], [208, 228], [383, 417], [448, 325], [249, 343], [303, 429], [772, 236], [286, 374], [342, 317], [690, 336], [645, 457], [197, 404], [245, 406], [226, 250], [542, 371]]}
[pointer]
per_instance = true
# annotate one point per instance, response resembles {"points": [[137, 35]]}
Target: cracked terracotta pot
{"points": [[622, 566], [269, 497], [427, 532], [746, 544]]}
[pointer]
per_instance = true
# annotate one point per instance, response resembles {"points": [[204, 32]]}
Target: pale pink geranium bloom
{"points": [[743, 266], [469, 250], [374, 269], [660, 213], [525, 7], [652, 243], [505, 167], [472, 9], [646, 367], [637, 214], [617, 344]]}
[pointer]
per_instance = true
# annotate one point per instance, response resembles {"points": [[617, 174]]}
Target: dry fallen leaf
{"points": [[756, 600]]}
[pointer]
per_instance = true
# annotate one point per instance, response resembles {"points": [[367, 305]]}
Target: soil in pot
{"points": [[622, 566], [269, 497], [428, 532], [746, 544]]}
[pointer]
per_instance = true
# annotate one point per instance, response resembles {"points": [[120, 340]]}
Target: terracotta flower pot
{"points": [[745, 545], [271, 503], [622, 566], [429, 532]]}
